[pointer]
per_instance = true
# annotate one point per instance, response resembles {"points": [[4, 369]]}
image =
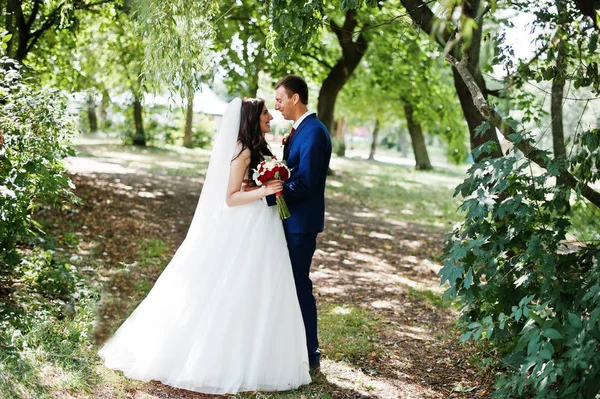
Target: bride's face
{"points": [[265, 120]]}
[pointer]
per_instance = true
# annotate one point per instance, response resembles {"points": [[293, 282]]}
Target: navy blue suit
{"points": [[307, 154]]}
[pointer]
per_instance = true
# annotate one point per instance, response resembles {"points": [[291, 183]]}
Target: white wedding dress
{"points": [[223, 317]]}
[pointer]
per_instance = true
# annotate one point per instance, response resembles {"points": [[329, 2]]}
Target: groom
{"points": [[307, 152]]}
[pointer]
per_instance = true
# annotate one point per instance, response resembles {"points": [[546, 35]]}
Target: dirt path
{"points": [[378, 265]]}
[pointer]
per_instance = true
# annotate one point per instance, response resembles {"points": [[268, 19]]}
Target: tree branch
{"points": [[588, 8], [336, 30], [496, 93], [51, 20], [322, 62], [90, 5], [426, 20], [34, 11], [495, 119]]}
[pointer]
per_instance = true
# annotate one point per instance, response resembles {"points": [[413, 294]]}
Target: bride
{"points": [[223, 317]]}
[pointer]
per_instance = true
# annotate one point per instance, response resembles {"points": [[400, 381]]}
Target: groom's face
{"points": [[283, 103]]}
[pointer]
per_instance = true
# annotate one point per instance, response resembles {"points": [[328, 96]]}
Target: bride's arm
{"points": [[238, 171]]}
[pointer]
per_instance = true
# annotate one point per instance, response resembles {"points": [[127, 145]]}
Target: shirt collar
{"points": [[304, 116]]}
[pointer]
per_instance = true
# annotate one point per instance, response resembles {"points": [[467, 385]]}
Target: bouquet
{"points": [[270, 169]]}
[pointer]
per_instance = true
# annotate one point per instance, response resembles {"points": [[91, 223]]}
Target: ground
{"points": [[385, 332]]}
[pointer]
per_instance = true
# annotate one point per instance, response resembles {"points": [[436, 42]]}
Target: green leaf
{"points": [[468, 281], [466, 336], [574, 321], [551, 333], [450, 272], [593, 43]]}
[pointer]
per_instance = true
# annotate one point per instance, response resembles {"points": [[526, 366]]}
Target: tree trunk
{"points": [[253, 85], [139, 138], [91, 111], [340, 142], [474, 120], [189, 119], [558, 84], [374, 141], [556, 105], [417, 139], [104, 104], [472, 115], [352, 52], [424, 18], [530, 151], [9, 24]]}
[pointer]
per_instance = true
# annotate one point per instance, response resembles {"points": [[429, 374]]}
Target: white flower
{"points": [[6, 192]]}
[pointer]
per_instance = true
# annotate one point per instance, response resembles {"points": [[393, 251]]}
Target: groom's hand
{"points": [[275, 186]]}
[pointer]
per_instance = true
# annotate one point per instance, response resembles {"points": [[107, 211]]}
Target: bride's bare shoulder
{"points": [[241, 153]]}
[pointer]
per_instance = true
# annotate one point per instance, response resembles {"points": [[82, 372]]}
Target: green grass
{"points": [[53, 352], [432, 298], [151, 248], [59, 353], [397, 191], [346, 332], [169, 161]]}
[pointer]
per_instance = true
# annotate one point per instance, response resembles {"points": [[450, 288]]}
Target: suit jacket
{"points": [[307, 154]]}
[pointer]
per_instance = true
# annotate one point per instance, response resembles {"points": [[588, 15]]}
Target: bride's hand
{"points": [[273, 186]]}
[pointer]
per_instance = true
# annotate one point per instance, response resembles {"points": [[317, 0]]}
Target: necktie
{"points": [[291, 133]]}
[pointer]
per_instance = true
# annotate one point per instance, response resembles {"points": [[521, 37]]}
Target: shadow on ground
{"points": [[385, 266]]}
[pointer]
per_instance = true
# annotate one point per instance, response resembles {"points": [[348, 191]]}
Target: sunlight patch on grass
{"points": [[169, 161], [433, 298], [151, 248], [345, 332], [397, 192]]}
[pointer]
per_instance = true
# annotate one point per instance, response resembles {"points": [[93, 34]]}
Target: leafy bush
{"points": [[35, 127], [202, 131], [521, 285]]}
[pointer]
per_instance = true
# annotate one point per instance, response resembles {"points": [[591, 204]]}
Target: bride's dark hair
{"points": [[250, 135]]}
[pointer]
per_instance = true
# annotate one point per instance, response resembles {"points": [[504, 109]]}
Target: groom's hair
{"points": [[294, 84]]}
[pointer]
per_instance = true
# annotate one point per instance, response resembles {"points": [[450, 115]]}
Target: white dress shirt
{"points": [[299, 121]]}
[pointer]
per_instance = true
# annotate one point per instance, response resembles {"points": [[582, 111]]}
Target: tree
{"points": [[441, 30], [352, 52], [241, 42], [558, 84], [26, 21], [179, 36], [521, 285], [375, 136], [417, 138], [125, 55], [534, 298], [420, 91], [35, 127]]}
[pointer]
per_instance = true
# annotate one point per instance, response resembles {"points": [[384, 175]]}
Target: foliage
{"points": [[413, 65], [241, 42], [41, 294], [33, 24], [35, 128], [39, 291], [521, 285], [178, 37], [47, 322]]}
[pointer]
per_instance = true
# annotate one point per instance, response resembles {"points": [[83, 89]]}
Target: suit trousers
{"points": [[302, 247]]}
